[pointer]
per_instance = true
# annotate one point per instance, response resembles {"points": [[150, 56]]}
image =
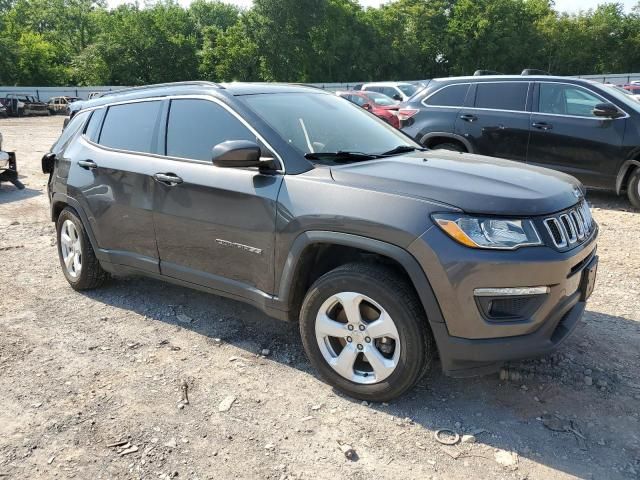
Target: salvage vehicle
{"points": [[57, 105], [24, 104], [584, 128], [377, 103], [3, 111], [9, 167], [315, 211]]}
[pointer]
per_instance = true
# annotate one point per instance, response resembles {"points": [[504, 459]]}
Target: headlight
{"points": [[483, 232]]}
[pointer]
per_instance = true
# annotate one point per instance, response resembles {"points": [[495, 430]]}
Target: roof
{"points": [[387, 84], [526, 78], [196, 88]]}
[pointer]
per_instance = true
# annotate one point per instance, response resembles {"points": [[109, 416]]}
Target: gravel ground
{"points": [[92, 383]]}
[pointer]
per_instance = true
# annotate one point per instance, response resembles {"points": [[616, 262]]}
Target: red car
{"points": [[380, 105]]}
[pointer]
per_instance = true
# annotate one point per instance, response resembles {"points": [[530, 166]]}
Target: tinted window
{"points": [[451, 96], [93, 127], [567, 100], [131, 126], [502, 96], [72, 128], [196, 126]]}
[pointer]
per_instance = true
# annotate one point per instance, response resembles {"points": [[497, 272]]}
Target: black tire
{"points": [[91, 274], [633, 188], [392, 292], [454, 147]]}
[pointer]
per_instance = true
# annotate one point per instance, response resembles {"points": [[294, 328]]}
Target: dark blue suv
{"points": [[587, 129]]}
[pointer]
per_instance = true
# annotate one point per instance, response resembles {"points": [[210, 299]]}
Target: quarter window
{"points": [[563, 99], [131, 127], [93, 127], [196, 126], [450, 96], [502, 96]]}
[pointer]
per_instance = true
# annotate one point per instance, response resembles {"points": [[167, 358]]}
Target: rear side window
{"points": [[502, 96], [449, 96], [131, 126], [196, 126]]}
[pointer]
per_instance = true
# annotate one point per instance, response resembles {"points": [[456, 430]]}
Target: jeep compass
{"points": [[318, 212]]}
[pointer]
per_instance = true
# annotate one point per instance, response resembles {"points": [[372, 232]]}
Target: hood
{"points": [[473, 183]]}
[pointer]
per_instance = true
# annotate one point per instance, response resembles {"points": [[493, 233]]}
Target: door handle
{"points": [[542, 125], [468, 118], [88, 164], [167, 178]]}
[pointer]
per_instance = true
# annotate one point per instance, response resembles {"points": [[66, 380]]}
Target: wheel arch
{"points": [[430, 139], [314, 253], [625, 172], [59, 202]]}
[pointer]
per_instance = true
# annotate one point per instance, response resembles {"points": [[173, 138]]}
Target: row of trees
{"points": [[82, 42]]}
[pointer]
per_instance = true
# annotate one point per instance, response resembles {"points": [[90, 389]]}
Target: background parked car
{"points": [[400, 91], [3, 111], [60, 104], [19, 104], [583, 128], [380, 105]]}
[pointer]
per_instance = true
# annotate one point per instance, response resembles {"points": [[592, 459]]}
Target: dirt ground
{"points": [[91, 383]]}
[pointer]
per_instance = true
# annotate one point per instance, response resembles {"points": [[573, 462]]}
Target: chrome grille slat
{"points": [[570, 227]]}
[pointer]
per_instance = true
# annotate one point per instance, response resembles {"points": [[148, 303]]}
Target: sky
{"points": [[570, 6]]}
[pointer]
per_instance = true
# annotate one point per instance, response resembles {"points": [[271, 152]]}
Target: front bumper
{"points": [[470, 343]]}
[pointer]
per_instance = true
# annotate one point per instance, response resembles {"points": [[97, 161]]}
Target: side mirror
{"points": [[397, 97], [238, 154], [607, 110]]}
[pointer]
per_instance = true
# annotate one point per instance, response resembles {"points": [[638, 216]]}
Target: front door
{"points": [[567, 136], [497, 124], [214, 226]]}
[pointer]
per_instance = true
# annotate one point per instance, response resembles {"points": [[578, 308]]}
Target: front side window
{"points": [[196, 126], [561, 99], [317, 122], [449, 96], [502, 96], [131, 126]]}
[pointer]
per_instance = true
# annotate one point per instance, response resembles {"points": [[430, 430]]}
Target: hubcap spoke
{"points": [[383, 327], [351, 303], [330, 328], [382, 367], [343, 363], [68, 260], [71, 248]]}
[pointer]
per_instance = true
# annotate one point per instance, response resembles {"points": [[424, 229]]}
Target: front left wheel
{"points": [[77, 258], [364, 330]]}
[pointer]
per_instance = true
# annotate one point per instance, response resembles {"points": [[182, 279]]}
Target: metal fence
{"points": [[45, 93]]}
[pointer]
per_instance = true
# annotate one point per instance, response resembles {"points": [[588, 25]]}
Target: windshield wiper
{"points": [[341, 156], [402, 149]]}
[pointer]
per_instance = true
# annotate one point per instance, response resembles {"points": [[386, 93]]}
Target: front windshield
{"points": [[381, 99], [408, 89], [317, 122]]}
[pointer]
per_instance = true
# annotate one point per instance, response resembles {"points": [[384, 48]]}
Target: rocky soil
{"points": [[142, 379]]}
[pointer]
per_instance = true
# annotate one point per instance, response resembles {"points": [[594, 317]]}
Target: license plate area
{"points": [[588, 281]]}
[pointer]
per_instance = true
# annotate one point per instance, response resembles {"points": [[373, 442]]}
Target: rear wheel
{"points": [[452, 146], [77, 258], [633, 188], [365, 332]]}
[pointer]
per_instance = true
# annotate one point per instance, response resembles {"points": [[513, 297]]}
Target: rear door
{"points": [[214, 226], [567, 136], [497, 120], [111, 176]]}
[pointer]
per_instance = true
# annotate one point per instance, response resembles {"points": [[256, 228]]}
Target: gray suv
{"points": [[316, 211]]}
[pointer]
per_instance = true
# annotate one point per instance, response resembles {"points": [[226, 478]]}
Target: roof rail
{"points": [[479, 73], [160, 85], [534, 71]]}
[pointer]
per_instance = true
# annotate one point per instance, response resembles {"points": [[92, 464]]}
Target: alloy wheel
{"points": [[71, 248]]}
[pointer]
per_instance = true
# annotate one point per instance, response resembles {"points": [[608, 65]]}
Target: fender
{"points": [[453, 136], [626, 167], [404, 258]]}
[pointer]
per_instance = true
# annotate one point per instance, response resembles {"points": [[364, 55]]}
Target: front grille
{"points": [[572, 227]]}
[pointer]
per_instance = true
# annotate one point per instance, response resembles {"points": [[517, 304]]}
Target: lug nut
{"points": [[361, 327], [350, 327], [349, 339], [367, 339], [359, 347]]}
